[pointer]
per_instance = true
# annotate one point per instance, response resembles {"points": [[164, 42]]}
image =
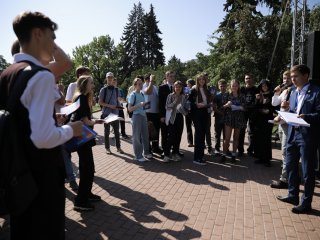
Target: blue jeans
{"points": [[140, 135], [68, 164], [283, 132]]}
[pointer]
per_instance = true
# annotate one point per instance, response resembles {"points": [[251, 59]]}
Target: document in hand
{"points": [[87, 135], [292, 119], [71, 108], [112, 117]]}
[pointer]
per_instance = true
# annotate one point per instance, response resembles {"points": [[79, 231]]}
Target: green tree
{"points": [[133, 41], [3, 63], [153, 42], [315, 18]]}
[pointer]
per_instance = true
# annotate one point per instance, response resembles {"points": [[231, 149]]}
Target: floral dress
{"points": [[234, 118]]}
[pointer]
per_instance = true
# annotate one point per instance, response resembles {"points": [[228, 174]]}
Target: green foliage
{"points": [[315, 19], [3, 63]]}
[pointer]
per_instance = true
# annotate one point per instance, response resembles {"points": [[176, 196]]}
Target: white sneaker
{"points": [[148, 156], [140, 159], [166, 159], [176, 158]]}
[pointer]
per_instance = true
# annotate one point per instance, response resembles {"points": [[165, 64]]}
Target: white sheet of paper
{"points": [[112, 117], [71, 108], [292, 119]]}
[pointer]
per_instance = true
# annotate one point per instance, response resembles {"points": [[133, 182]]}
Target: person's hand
{"points": [[277, 90], [76, 127], [277, 119], [152, 78], [301, 116], [112, 107], [201, 105], [98, 121], [258, 96], [61, 118], [285, 104], [162, 119]]}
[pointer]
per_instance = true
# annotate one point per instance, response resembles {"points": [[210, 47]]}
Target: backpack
{"points": [[17, 185]]}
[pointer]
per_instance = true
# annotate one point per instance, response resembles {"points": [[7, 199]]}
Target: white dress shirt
{"points": [[38, 99]]}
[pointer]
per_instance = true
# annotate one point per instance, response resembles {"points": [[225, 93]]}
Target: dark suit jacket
{"points": [[311, 109], [164, 91]]}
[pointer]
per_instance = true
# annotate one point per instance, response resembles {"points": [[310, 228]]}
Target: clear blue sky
{"points": [[185, 25]]}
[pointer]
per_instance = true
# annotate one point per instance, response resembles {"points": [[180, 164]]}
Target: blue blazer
{"points": [[311, 109]]}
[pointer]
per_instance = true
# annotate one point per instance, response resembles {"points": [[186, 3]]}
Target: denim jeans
{"points": [[68, 164], [140, 135]]}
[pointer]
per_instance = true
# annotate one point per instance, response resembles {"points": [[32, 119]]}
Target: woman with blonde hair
{"points": [[234, 118], [84, 93], [140, 135]]}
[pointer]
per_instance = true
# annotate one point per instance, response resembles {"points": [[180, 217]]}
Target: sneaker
{"points": [[140, 159], [83, 207], [94, 198], [108, 151], [279, 184], [148, 156], [200, 162], [157, 151], [233, 159], [73, 185], [166, 159], [119, 150], [223, 159], [176, 158], [125, 136]]}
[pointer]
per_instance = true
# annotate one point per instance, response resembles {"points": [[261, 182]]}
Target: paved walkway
{"points": [[181, 200]]}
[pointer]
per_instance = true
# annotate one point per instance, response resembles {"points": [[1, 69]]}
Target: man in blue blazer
{"points": [[302, 141]]}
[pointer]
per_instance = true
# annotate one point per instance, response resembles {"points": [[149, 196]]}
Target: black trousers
{"points": [[164, 135], [208, 132], [200, 118], [115, 126], [155, 119], [249, 116], [218, 129], [122, 123], [189, 128], [174, 135], [45, 218], [86, 169]]}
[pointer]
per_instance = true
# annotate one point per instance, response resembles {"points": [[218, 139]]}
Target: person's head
{"points": [[206, 77], [248, 80], [82, 70], [200, 81], [109, 78], [85, 86], [35, 33], [222, 85], [170, 76], [264, 86], [299, 75], [178, 87], [235, 86], [15, 48], [147, 77], [190, 83], [286, 80], [137, 84], [115, 82]]}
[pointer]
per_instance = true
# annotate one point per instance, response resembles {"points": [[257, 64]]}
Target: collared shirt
{"points": [[38, 99], [300, 96], [70, 91]]}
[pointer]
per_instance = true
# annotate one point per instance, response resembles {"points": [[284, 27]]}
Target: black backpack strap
{"points": [[19, 82]]}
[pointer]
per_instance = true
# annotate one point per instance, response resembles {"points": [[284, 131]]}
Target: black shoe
{"points": [[301, 209], [180, 154], [240, 154], [94, 198], [279, 185], [291, 200], [223, 159], [250, 153], [125, 136], [258, 161], [267, 164], [233, 159], [157, 151], [83, 207], [74, 186]]}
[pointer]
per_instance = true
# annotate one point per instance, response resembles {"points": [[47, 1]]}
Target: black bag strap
{"points": [[19, 81]]}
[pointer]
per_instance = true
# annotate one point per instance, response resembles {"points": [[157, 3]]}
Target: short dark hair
{"points": [[81, 70], [301, 68], [15, 48], [26, 21]]}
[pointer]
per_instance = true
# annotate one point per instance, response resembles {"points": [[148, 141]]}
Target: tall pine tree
{"points": [[153, 44]]}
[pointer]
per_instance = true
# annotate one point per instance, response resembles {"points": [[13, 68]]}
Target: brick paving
{"points": [[181, 200]]}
